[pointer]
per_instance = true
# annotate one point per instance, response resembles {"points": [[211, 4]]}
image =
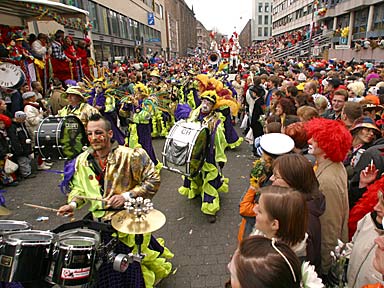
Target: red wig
{"points": [[7, 121], [332, 137], [364, 205]]}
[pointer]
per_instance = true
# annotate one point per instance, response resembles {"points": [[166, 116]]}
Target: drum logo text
{"points": [[186, 131], [71, 125]]}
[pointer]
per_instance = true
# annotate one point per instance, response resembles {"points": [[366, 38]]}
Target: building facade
{"points": [[245, 36], [181, 29], [261, 20], [124, 28], [203, 39]]}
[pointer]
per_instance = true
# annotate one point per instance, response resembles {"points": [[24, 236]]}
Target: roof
{"points": [[18, 8]]}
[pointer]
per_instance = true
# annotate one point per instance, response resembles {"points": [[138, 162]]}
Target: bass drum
{"points": [[11, 76], [24, 255], [185, 148], [61, 138]]}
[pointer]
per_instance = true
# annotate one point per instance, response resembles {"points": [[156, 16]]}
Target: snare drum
{"points": [[185, 148], [72, 260], [24, 255], [60, 137], [11, 76]]}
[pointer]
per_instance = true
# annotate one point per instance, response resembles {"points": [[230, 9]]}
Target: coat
{"points": [[360, 268], [332, 178]]}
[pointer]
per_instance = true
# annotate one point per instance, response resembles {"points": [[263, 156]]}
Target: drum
{"points": [[12, 226], [60, 138], [24, 255], [72, 259], [185, 148], [11, 76]]}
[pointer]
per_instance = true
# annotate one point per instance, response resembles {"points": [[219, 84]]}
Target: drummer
{"points": [[116, 173], [77, 105], [210, 181]]}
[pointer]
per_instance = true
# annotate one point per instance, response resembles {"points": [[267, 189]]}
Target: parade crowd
{"points": [[315, 198]]}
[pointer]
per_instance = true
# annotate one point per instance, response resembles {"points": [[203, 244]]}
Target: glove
{"points": [[221, 165]]}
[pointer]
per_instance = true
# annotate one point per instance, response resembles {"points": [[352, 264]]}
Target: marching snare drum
{"points": [[61, 137], [72, 260], [11, 76], [24, 255], [185, 148]]}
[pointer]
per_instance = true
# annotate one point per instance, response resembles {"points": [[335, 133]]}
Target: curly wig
{"points": [[332, 137], [357, 87], [7, 121]]}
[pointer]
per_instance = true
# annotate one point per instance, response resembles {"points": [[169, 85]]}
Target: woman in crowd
{"points": [[296, 172], [282, 213], [285, 107], [262, 262]]}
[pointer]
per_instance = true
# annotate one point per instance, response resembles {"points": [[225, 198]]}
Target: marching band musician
{"points": [[77, 106], [116, 173], [139, 110], [210, 181]]}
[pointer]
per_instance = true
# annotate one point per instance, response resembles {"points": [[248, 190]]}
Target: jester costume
{"points": [[125, 170], [209, 182]]}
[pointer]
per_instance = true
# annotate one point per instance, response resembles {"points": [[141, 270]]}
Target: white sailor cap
{"points": [[276, 143]]}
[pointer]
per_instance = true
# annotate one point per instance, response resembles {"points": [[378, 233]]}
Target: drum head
{"points": [[11, 76], [12, 225], [81, 232], [72, 137], [77, 243], [61, 138], [29, 238]]}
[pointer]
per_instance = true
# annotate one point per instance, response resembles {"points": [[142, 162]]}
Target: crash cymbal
{"points": [[4, 211], [127, 222]]}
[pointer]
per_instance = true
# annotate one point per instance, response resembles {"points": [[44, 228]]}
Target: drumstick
{"points": [[41, 207], [91, 198]]}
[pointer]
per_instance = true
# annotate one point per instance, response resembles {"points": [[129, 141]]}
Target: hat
{"points": [[365, 122], [334, 82], [20, 114], [276, 143], [209, 95], [28, 95], [373, 90], [370, 107], [300, 87], [302, 77], [74, 91]]}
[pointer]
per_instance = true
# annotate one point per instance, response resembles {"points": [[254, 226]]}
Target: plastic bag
{"points": [[10, 166], [244, 123]]}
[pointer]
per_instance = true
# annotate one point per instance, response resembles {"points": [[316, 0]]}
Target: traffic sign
{"points": [[151, 18]]}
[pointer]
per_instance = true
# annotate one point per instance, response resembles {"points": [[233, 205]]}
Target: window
{"points": [[123, 25], [161, 11], [266, 29], [260, 19], [259, 31], [266, 7], [104, 20], [93, 16], [378, 17], [261, 7], [114, 24], [266, 19], [361, 20]]}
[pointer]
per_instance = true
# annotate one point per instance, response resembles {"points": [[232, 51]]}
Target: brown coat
{"points": [[57, 101], [332, 178]]}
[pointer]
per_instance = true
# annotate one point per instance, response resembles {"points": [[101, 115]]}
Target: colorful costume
{"points": [[82, 111], [125, 170], [210, 181]]}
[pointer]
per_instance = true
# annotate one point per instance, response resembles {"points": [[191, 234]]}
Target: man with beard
{"points": [[117, 174], [209, 181]]}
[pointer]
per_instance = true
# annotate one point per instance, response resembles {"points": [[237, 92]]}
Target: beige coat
{"points": [[332, 178], [360, 269]]}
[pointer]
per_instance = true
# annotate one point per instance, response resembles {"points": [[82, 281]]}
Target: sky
{"points": [[222, 15]]}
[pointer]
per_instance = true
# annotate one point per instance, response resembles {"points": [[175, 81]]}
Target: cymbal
{"points": [[128, 223], [4, 211]]}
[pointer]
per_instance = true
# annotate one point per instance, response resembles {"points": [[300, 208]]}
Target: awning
{"points": [[40, 9]]}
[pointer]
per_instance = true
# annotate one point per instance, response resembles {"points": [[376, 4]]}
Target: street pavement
{"points": [[202, 250]]}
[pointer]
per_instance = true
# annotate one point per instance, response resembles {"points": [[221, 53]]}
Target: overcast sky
{"points": [[224, 15]]}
